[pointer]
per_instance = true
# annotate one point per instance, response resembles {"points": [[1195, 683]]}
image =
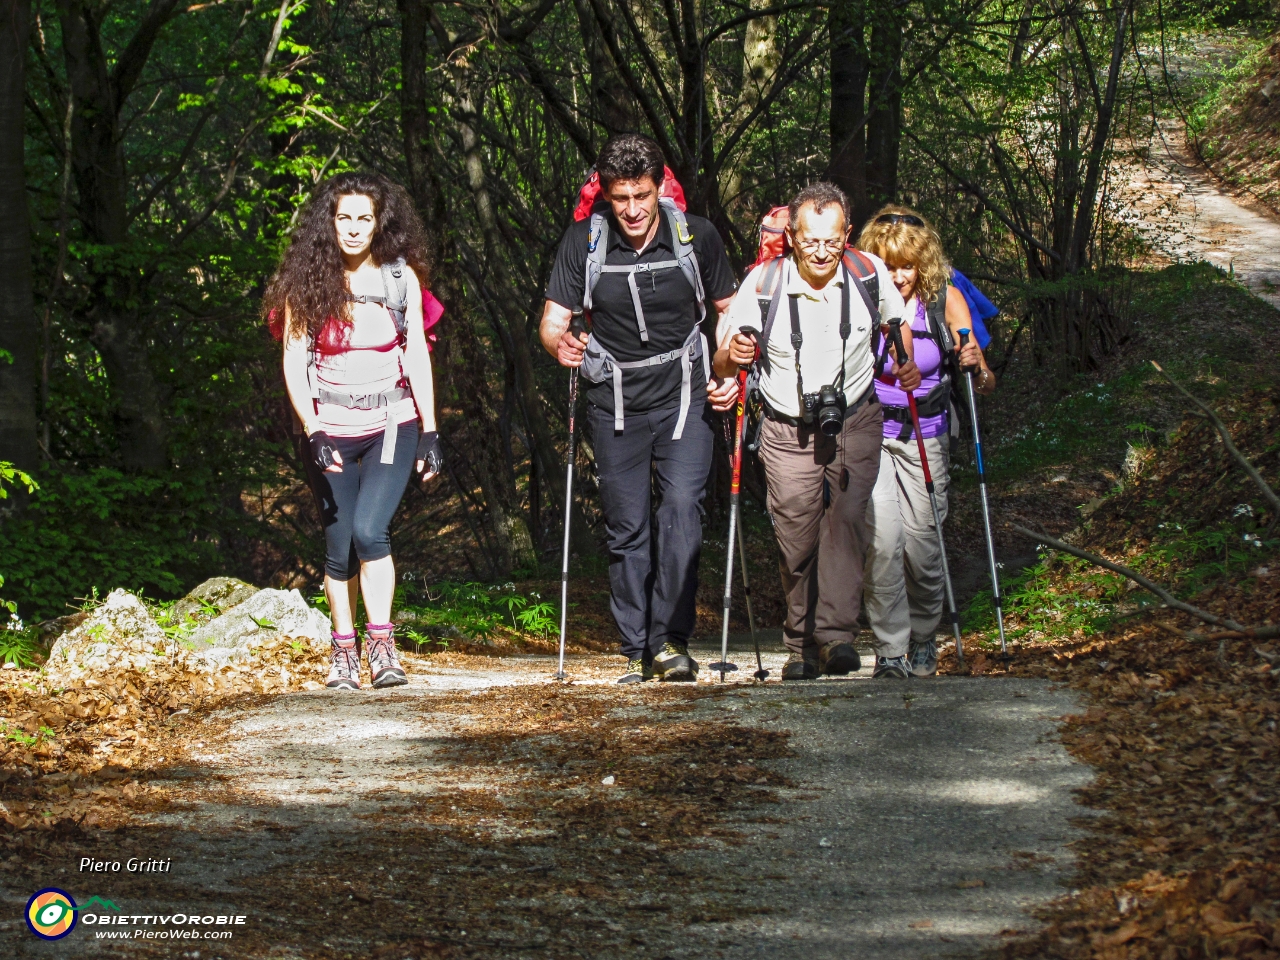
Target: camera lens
{"points": [[830, 419]]}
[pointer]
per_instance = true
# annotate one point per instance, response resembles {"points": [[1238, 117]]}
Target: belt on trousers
{"points": [[868, 396]]}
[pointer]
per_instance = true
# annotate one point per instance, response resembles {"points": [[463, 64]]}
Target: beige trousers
{"points": [[819, 517], [904, 590]]}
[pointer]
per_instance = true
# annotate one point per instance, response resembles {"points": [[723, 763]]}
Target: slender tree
{"points": [[18, 331]]}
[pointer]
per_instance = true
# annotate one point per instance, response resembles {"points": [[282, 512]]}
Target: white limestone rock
{"points": [[119, 634], [268, 614]]}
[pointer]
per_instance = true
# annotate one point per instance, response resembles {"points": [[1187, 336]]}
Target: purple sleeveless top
{"points": [[929, 359]]}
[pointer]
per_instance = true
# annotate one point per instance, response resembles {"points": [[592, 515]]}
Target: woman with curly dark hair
{"points": [[356, 366]]}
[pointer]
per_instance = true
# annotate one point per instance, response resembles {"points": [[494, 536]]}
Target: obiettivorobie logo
{"points": [[51, 913]]}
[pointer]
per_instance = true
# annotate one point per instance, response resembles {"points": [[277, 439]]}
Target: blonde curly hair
{"points": [[904, 244]]}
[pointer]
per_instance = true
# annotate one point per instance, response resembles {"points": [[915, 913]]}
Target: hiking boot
{"points": [[839, 659], [344, 663], [798, 668], [923, 656], [384, 665], [637, 672], [673, 663], [895, 668]]}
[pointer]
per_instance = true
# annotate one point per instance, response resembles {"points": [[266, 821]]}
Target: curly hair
{"points": [[311, 277], [901, 244]]}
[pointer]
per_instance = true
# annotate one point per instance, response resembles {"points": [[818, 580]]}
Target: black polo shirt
{"points": [[670, 307]]}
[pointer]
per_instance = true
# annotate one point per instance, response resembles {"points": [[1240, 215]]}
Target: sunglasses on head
{"points": [[906, 218]]}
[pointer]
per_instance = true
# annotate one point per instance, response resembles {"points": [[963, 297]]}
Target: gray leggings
{"points": [[356, 505]]}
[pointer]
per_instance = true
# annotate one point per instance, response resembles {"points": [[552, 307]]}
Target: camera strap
{"points": [[846, 327]]}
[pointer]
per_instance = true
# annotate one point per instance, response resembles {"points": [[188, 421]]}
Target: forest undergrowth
{"points": [[1182, 864]]}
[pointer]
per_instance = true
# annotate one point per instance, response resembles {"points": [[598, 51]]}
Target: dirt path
{"points": [[484, 812], [1187, 215]]}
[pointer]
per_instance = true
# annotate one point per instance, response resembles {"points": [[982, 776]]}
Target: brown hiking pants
{"points": [[821, 528]]}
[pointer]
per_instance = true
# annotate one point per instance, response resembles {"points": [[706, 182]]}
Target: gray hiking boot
{"points": [[384, 665], [894, 668], [344, 664], [923, 656], [673, 663]]}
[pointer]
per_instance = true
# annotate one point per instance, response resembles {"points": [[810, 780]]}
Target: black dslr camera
{"points": [[826, 407]]}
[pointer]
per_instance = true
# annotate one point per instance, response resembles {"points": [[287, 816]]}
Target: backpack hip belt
{"points": [[932, 404], [598, 363]]}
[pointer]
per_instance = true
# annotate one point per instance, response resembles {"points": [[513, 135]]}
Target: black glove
{"points": [[322, 449], [429, 453]]}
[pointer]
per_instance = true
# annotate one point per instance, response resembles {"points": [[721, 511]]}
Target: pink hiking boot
{"points": [[384, 665], [344, 662]]}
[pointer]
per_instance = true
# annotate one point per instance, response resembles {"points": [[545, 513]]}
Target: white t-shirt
{"points": [[820, 328]]}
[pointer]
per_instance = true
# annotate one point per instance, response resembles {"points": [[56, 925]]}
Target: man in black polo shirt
{"points": [[653, 281]]}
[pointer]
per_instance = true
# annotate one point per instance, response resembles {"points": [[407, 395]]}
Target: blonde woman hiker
{"points": [[903, 588], [348, 302]]}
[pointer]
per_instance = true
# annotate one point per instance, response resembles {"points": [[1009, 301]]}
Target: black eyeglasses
{"points": [[906, 218]]}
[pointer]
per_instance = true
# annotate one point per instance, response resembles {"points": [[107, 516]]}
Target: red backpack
{"points": [[590, 193]]}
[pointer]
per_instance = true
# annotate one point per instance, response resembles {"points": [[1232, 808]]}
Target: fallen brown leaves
{"points": [[1182, 865], [83, 754]]}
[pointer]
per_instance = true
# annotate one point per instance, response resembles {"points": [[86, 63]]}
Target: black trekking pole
{"points": [[724, 666], [576, 327], [986, 509], [895, 331]]}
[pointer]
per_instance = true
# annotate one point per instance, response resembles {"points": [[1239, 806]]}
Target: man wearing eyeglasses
{"points": [[820, 440]]}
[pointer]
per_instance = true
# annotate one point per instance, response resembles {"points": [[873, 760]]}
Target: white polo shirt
{"points": [[819, 311]]}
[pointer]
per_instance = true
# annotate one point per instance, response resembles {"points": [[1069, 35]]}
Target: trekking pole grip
{"points": [[895, 334], [964, 342], [577, 323]]}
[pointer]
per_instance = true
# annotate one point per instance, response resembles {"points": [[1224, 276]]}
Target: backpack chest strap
{"points": [[631, 272]]}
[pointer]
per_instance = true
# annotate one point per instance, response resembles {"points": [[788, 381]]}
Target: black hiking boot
{"points": [[798, 668], [839, 660], [637, 672], [673, 664]]}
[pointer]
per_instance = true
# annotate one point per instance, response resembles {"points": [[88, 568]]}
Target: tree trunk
{"points": [[511, 318], [760, 61], [613, 106], [884, 109], [99, 91], [468, 373], [849, 69], [18, 333]]}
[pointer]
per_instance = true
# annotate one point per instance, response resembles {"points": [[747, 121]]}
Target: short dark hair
{"points": [[630, 156], [821, 195]]}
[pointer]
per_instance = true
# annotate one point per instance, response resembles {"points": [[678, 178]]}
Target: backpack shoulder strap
{"points": [[860, 265], [393, 278], [937, 316], [685, 253], [769, 302], [597, 250]]}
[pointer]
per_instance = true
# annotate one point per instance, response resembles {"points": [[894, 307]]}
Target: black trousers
{"points": [[653, 555], [357, 505]]}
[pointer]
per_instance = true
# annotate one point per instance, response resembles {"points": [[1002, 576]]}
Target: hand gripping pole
{"points": [[986, 509], [895, 331], [576, 326]]}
